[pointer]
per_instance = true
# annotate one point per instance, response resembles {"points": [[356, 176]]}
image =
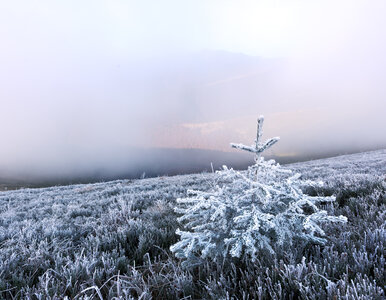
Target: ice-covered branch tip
{"points": [[258, 147]]}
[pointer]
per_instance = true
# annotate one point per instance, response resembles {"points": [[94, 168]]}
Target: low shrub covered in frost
{"points": [[251, 212]]}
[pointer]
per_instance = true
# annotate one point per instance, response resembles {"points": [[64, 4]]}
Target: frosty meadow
{"points": [[117, 180], [263, 233]]}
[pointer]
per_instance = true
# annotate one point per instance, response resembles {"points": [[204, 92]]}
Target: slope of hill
{"points": [[151, 162], [112, 239]]}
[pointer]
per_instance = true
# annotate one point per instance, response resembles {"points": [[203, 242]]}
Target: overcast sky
{"points": [[83, 80]]}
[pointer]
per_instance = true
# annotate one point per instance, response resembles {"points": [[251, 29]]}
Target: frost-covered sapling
{"points": [[250, 212]]}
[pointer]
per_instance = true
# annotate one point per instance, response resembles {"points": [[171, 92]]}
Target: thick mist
{"points": [[85, 87]]}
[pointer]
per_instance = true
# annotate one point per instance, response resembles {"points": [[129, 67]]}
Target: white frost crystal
{"points": [[252, 211]]}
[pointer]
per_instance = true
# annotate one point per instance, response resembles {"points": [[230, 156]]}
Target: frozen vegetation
{"points": [[112, 239], [249, 213]]}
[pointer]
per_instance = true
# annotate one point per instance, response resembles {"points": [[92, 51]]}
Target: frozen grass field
{"points": [[112, 239]]}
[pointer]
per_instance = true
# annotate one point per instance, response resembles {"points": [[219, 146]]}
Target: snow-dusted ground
{"points": [[62, 240], [372, 162]]}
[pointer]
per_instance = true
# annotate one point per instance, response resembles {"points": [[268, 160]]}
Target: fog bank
{"points": [[81, 82]]}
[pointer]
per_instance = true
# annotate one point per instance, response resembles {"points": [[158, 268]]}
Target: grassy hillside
{"points": [[112, 239]]}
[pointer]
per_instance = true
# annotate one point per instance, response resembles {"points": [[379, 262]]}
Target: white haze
{"points": [[83, 82]]}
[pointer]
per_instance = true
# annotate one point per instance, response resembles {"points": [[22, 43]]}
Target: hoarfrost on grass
{"points": [[60, 241]]}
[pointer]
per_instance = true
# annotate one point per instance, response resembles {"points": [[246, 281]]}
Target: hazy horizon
{"points": [[83, 83]]}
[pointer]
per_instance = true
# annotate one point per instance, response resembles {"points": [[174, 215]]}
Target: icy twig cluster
{"points": [[258, 147], [250, 212]]}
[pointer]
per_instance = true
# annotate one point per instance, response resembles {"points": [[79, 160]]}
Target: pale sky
{"points": [[81, 79]]}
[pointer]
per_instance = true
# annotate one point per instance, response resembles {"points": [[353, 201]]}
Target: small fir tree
{"points": [[250, 212]]}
